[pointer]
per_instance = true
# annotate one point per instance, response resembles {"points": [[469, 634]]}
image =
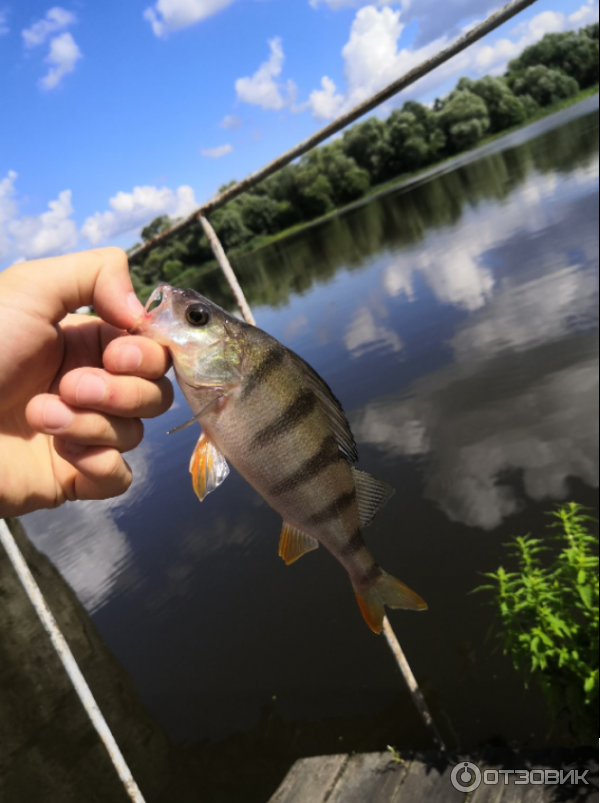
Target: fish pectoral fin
{"points": [[371, 495], [208, 468], [294, 543]]}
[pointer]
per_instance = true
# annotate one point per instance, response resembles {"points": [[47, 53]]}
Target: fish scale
{"points": [[268, 413]]}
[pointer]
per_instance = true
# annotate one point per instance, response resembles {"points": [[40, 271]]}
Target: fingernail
{"points": [[56, 415], [129, 359], [135, 305], [90, 390]]}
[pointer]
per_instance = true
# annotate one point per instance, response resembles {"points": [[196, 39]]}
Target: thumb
{"points": [[56, 286]]}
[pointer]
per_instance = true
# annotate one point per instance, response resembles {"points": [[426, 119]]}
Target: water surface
{"points": [[457, 320]]}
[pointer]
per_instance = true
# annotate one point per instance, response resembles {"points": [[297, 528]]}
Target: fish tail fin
{"points": [[386, 590]]}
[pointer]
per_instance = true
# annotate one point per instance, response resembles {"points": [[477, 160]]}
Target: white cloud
{"points": [[52, 232], [57, 19], [231, 122], [173, 15], [326, 103], [373, 57], [586, 15], [335, 5], [8, 211], [131, 210], [263, 89], [62, 58], [218, 152], [34, 236], [4, 29]]}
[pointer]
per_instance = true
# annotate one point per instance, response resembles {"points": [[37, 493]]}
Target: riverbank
{"points": [[399, 183]]}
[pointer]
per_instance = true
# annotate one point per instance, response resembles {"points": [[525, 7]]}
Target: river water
{"points": [[457, 320]]}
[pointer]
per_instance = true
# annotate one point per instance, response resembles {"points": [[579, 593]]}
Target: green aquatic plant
{"points": [[548, 610]]}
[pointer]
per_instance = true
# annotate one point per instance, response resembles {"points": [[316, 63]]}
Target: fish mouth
{"points": [[159, 297], [158, 300]]}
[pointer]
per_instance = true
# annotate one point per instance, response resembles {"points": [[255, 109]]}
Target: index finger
{"points": [[59, 285], [137, 356]]}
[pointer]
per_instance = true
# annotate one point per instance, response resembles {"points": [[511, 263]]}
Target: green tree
{"points": [[259, 213], [576, 54], [158, 225], [408, 140], [315, 193], [348, 181], [171, 269], [505, 109], [592, 31], [465, 119], [436, 139], [368, 144], [530, 105], [546, 86], [229, 226]]}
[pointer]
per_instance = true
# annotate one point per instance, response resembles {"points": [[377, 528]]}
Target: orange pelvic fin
{"points": [[387, 591], [294, 543], [208, 468]]}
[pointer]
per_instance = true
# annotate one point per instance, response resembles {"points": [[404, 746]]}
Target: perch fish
{"points": [[268, 413]]}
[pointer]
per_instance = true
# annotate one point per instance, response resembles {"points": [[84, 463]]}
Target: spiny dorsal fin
{"points": [[208, 468], [294, 543], [332, 407], [371, 495]]}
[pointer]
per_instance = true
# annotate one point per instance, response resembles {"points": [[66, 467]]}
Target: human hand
{"points": [[73, 388]]}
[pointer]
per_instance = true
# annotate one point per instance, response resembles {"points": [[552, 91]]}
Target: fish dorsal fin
{"points": [[332, 407], [294, 543], [371, 495], [208, 468]]}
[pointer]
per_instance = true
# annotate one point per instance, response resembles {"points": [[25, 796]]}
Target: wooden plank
{"points": [[429, 781], [374, 778], [310, 780]]}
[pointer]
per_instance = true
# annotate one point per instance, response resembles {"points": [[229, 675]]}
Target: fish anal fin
{"points": [[371, 495], [386, 591], [294, 544], [208, 468]]}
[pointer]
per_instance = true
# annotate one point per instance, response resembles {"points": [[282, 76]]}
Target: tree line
{"points": [[395, 221], [375, 151]]}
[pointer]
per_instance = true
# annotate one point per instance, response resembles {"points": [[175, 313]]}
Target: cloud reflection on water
{"points": [[521, 394], [85, 541]]}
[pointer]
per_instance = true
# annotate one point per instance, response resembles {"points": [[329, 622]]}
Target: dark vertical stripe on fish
{"points": [[272, 360], [334, 510], [298, 410], [372, 575], [327, 455], [353, 545]]}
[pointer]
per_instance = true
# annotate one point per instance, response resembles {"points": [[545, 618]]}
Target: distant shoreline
{"points": [[383, 189]]}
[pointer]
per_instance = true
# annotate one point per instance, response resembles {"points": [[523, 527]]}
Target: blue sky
{"points": [[116, 112]]}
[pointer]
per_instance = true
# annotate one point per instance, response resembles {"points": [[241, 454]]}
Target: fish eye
{"points": [[197, 316]]}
